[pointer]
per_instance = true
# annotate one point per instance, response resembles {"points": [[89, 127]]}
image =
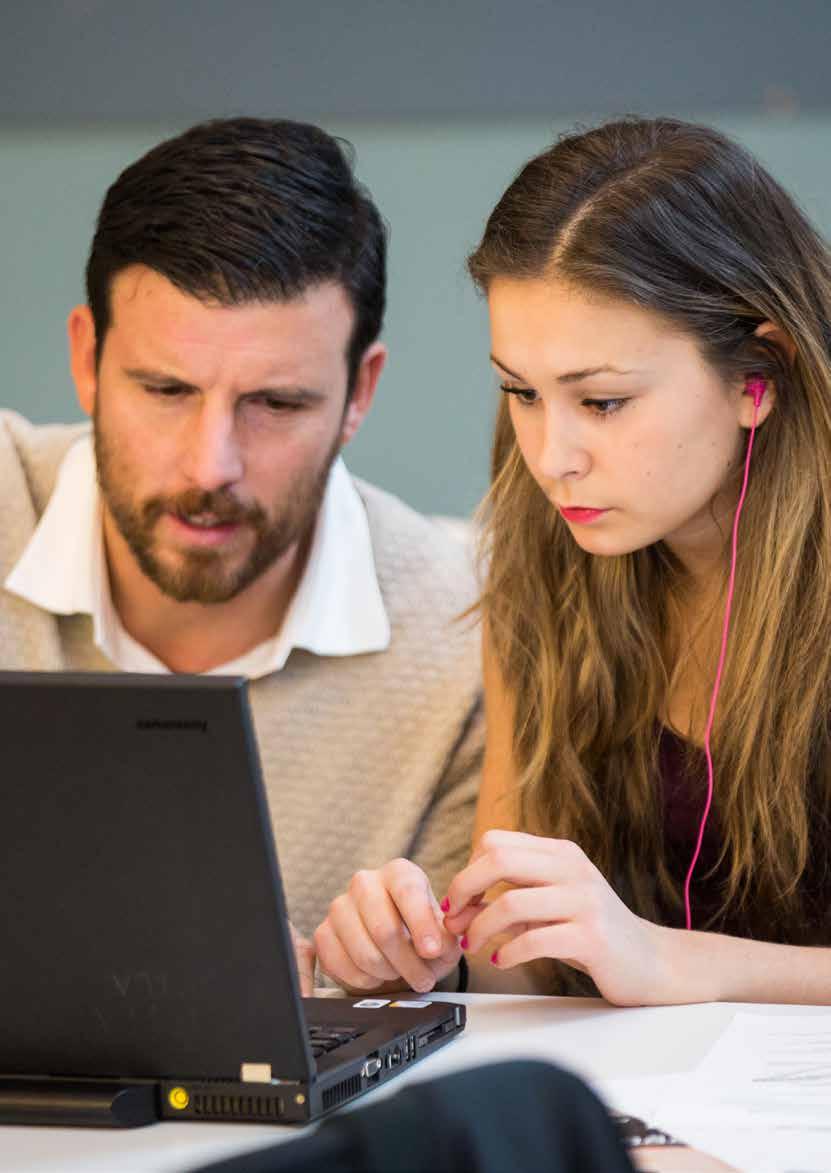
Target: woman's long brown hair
{"points": [[680, 221]]}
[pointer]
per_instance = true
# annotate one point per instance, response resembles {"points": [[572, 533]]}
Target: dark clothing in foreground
{"points": [[524, 1116]]}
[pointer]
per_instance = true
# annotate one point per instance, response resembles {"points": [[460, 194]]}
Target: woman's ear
{"points": [[747, 406], [778, 337]]}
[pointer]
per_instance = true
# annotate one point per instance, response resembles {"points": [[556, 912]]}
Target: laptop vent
{"points": [[341, 1091], [244, 1107]]}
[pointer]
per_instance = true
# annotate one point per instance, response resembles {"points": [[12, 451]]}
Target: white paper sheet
{"points": [[760, 1099]]}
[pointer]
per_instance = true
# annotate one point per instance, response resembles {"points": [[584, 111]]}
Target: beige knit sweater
{"points": [[365, 758]]}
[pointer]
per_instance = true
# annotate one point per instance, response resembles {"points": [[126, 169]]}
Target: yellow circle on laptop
{"points": [[177, 1097]]}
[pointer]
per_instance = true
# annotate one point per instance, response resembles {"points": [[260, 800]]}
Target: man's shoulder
{"points": [[418, 555], [37, 450]]}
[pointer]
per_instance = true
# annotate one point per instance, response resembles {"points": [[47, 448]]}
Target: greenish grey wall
{"points": [[427, 437]]}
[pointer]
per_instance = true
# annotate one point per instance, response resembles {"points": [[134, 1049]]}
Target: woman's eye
{"points": [[604, 406], [523, 395]]}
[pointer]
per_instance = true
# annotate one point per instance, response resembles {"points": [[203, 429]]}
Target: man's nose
{"points": [[214, 458]]}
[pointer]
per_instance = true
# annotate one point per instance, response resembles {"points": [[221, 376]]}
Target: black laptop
{"points": [[144, 945]]}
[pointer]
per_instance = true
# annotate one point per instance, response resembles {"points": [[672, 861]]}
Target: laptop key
{"points": [[327, 1038]]}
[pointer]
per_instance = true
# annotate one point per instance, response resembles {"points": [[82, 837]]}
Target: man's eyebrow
{"points": [[568, 376], [162, 379], [145, 375]]}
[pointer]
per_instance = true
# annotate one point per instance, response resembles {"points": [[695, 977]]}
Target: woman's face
{"points": [[617, 413]]}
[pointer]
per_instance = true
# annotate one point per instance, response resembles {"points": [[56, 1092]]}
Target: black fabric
{"points": [[524, 1116]]}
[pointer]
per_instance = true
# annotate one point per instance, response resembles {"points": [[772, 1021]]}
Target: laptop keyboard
{"points": [[328, 1038]]}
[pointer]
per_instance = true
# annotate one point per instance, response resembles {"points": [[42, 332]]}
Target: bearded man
{"points": [[228, 350]]}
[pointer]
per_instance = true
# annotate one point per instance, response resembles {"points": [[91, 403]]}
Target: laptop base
{"points": [[90, 1103], [284, 1101]]}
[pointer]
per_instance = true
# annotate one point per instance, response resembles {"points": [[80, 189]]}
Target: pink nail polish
{"points": [[445, 905], [495, 957], [463, 942]]}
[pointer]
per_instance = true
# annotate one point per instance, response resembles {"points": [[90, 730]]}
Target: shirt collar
{"points": [[337, 609]]}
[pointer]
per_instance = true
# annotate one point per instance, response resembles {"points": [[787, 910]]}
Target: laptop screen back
{"points": [[143, 931]]}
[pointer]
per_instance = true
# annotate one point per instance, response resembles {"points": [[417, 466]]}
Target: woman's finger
{"points": [[304, 956], [565, 942], [385, 925], [355, 938], [521, 909], [425, 925], [459, 924], [556, 863], [495, 838], [336, 962], [412, 895]]}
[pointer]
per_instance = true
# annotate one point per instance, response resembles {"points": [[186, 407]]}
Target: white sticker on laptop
{"points": [[371, 1004], [410, 1005]]}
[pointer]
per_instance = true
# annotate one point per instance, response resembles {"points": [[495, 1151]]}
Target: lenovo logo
{"points": [[157, 723]]}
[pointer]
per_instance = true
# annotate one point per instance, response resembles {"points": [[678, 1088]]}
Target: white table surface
{"points": [[598, 1041]]}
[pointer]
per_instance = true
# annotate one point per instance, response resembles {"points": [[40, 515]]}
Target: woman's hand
{"points": [[559, 906], [386, 931], [304, 956], [652, 1159]]}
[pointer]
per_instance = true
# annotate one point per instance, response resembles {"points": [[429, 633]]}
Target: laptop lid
{"points": [[144, 931]]}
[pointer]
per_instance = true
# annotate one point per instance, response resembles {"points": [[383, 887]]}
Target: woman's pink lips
{"points": [[580, 515]]}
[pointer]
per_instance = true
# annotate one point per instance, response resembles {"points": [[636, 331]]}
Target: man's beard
{"points": [[200, 575]]}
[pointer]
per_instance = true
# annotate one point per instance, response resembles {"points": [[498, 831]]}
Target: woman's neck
{"points": [[692, 649]]}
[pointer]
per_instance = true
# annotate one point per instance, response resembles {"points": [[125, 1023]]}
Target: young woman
{"points": [[660, 329]]}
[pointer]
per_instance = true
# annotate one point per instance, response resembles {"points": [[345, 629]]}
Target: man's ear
{"points": [[781, 339], [363, 392], [80, 329]]}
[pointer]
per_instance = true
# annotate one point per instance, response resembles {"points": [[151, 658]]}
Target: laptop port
{"points": [[371, 1068], [430, 1037]]}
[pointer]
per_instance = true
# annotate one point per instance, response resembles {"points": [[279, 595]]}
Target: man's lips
{"points": [[581, 514], [200, 535]]}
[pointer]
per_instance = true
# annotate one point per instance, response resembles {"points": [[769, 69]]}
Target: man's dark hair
{"points": [[245, 209]]}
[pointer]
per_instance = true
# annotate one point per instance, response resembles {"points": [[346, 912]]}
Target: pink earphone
{"points": [[755, 386]]}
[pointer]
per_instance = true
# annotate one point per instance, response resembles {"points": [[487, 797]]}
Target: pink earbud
{"points": [[755, 386]]}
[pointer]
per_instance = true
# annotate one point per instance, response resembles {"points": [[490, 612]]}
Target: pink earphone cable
{"points": [[756, 388]]}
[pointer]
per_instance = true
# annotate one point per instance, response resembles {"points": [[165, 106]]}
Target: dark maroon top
{"points": [[683, 776]]}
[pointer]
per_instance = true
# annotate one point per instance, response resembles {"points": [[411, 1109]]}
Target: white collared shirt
{"points": [[337, 609]]}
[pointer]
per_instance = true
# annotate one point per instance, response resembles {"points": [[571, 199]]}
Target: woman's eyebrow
{"points": [[568, 376], [606, 369]]}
